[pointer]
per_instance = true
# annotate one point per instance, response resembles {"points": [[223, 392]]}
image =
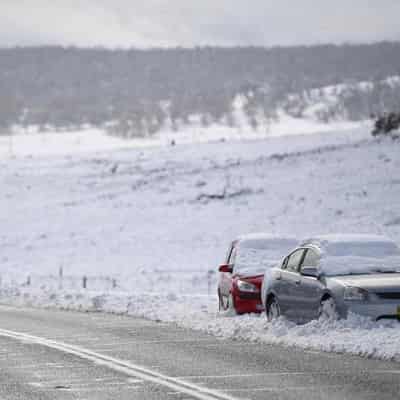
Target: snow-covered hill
{"points": [[255, 114], [30, 142], [158, 218], [258, 113], [345, 102]]}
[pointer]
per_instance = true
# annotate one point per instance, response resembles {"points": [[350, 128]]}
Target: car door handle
{"points": [[278, 277], [297, 282]]}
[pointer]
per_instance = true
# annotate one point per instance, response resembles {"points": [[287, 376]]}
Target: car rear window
{"points": [[258, 254]]}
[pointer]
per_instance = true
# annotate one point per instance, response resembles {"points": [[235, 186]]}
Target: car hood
{"points": [[378, 281]]}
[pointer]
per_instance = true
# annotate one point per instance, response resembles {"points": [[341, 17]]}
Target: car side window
{"points": [[284, 262], [311, 258], [294, 260]]}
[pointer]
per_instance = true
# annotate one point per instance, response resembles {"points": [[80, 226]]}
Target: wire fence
{"points": [[155, 281]]}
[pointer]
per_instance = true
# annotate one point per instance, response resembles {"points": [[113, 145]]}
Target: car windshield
{"points": [[258, 254], [361, 258], [363, 249]]}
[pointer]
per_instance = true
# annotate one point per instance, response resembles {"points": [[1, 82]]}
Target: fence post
{"points": [[114, 283], [60, 277], [84, 281], [210, 274], [28, 280]]}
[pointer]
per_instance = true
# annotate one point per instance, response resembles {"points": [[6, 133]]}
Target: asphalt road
{"points": [[47, 354]]}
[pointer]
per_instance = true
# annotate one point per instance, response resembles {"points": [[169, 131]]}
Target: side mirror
{"points": [[225, 268], [310, 271]]}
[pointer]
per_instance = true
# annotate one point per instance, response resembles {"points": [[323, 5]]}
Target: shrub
{"points": [[387, 124]]}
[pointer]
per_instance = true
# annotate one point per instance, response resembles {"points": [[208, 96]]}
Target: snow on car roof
{"points": [[346, 238], [258, 238], [350, 237], [258, 251], [336, 243], [356, 253]]}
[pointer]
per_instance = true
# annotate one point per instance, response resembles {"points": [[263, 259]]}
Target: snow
{"points": [[347, 242], [257, 252], [264, 241], [367, 248], [156, 219], [58, 144], [344, 254], [34, 144], [356, 335], [347, 265]]}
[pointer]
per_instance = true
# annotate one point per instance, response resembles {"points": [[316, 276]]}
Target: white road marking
{"points": [[174, 341], [388, 371], [24, 366], [36, 384], [56, 381], [242, 375], [229, 344], [141, 342], [125, 367], [281, 389], [134, 381]]}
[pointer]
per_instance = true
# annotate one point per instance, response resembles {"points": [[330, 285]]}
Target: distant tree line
{"points": [[134, 92]]}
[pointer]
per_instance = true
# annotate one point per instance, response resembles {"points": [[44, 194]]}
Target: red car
{"points": [[239, 287]]}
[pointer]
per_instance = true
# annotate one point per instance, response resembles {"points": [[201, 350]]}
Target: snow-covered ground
{"points": [[28, 142], [158, 218]]}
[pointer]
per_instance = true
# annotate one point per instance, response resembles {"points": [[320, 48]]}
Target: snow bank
{"points": [[357, 335], [96, 140], [136, 215]]}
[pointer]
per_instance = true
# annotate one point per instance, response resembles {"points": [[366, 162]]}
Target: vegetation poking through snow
{"points": [[387, 124]]}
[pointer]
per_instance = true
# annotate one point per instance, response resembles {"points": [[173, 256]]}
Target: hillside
{"points": [[158, 219], [136, 93]]}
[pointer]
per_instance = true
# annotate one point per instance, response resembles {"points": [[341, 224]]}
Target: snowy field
{"points": [[145, 224]]}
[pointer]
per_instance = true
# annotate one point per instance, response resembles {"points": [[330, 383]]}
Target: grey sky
{"points": [[143, 23]]}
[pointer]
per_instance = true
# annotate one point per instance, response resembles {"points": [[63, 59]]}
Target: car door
{"points": [[226, 278], [273, 279], [288, 291], [311, 289]]}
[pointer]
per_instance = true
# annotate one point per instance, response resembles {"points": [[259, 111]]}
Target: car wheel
{"points": [[273, 310], [327, 309]]}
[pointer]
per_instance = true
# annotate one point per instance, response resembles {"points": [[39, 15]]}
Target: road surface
{"points": [[49, 354]]}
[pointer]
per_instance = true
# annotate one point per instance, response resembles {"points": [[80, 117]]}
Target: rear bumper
{"points": [[247, 301], [244, 303]]}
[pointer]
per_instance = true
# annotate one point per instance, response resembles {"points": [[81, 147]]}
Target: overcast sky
{"points": [[145, 23]]}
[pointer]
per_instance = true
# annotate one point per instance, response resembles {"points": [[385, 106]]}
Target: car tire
{"points": [[327, 309], [272, 309]]}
